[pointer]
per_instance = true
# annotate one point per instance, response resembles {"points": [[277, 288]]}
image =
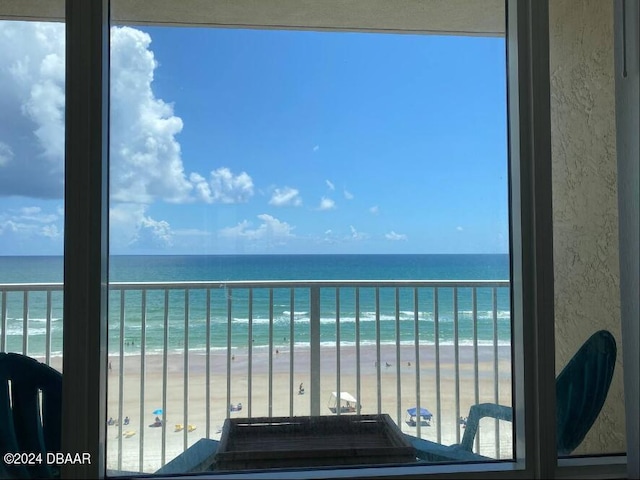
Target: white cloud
{"points": [[32, 106], [31, 222], [326, 204], [50, 231], [395, 236], [271, 230], [131, 226], [374, 210], [459, 228], [285, 196], [8, 226], [348, 195], [355, 235], [146, 158], [229, 188], [6, 154], [146, 161], [330, 185], [223, 186]]}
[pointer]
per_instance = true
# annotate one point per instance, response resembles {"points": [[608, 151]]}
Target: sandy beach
{"points": [[273, 398]]}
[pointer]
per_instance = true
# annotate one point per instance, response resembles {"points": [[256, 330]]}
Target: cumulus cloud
{"points": [[146, 161], [395, 236], [32, 106], [31, 222], [285, 196], [330, 185], [326, 204], [131, 226], [223, 186], [271, 230]]}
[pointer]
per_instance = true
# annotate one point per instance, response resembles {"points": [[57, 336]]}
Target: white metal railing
{"points": [[439, 312]]}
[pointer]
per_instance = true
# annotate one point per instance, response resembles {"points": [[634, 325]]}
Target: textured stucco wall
{"points": [[585, 195]]}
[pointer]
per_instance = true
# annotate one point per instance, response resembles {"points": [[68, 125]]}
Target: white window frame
{"points": [[86, 252]]}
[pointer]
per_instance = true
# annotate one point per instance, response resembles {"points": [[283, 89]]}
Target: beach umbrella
{"points": [[423, 412], [157, 411]]}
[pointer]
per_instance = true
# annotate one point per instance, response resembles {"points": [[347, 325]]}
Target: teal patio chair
{"points": [[581, 390], [30, 411]]}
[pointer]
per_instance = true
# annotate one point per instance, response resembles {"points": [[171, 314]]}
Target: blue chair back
{"points": [[581, 389], [30, 414]]}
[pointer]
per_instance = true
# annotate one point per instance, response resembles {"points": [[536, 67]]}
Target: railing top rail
{"points": [[236, 284], [21, 287]]}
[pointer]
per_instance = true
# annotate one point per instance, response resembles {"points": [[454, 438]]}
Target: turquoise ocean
{"points": [[396, 318]]}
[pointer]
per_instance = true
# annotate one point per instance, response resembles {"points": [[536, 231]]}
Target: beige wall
{"points": [[585, 195]]}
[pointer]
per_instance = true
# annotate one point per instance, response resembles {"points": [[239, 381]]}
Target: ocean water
{"points": [[288, 321]]}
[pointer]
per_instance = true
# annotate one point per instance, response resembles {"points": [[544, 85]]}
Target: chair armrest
{"points": [[477, 412], [436, 452]]}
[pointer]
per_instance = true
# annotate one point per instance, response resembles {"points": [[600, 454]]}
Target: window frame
{"points": [[86, 251]]}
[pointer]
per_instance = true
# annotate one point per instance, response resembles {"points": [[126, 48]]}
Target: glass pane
{"points": [[32, 188], [585, 226], [32, 132], [319, 224]]}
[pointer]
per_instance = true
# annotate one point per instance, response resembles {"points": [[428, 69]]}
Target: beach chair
{"points": [[581, 390], [30, 414]]}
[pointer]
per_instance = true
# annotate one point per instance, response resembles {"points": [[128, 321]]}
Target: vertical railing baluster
{"points": [[398, 377], [456, 354], [5, 307], [250, 353], [47, 338], [378, 356], [338, 350], [314, 339], [165, 373], [476, 376], [120, 420], [416, 346], [436, 340], [291, 362], [270, 399], [229, 293], [358, 380], [185, 379], [143, 375], [25, 323], [496, 378], [207, 368]]}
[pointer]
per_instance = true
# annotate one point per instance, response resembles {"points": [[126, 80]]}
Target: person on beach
{"points": [[301, 389]]}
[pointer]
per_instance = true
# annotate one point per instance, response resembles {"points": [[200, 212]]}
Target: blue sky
{"points": [[248, 141]]}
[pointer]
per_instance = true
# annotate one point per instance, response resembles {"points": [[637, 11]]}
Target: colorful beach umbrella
{"points": [[157, 411]]}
